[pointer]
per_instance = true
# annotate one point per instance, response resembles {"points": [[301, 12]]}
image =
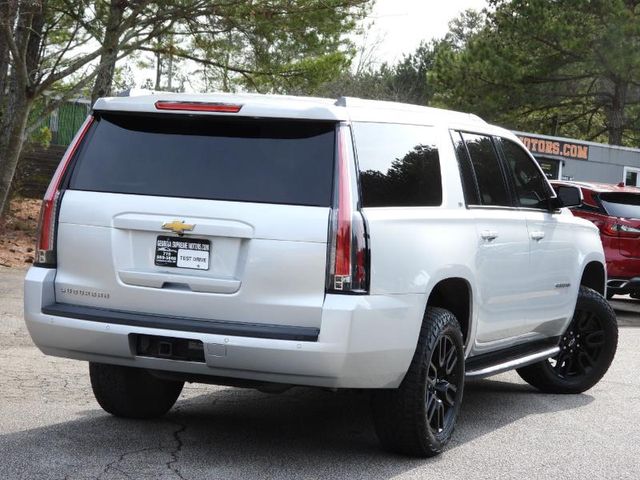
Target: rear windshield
{"points": [[623, 205], [267, 161]]}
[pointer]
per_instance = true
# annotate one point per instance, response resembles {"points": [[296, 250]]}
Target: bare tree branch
{"points": [[211, 63]]}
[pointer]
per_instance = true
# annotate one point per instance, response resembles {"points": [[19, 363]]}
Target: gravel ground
{"points": [[52, 428]]}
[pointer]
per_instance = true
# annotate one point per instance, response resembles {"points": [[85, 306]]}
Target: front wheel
{"points": [[418, 418], [587, 349]]}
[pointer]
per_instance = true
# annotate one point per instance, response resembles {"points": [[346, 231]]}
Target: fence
{"points": [[38, 163], [64, 122]]}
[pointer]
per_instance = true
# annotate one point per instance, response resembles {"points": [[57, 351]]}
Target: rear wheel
{"points": [[587, 349], [419, 417], [132, 392]]}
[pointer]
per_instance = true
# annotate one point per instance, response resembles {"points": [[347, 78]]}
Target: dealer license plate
{"points": [[180, 252]]}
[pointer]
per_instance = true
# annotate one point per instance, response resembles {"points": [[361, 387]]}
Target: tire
{"points": [[132, 392], [587, 349], [418, 418]]}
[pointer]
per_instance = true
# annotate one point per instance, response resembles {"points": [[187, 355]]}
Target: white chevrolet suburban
{"points": [[268, 241]]}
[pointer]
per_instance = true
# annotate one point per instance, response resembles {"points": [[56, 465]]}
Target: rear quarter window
{"points": [[399, 165], [208, 157]]}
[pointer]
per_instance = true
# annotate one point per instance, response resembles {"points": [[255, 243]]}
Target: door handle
{"points": [[537, 235], [489, 235]]}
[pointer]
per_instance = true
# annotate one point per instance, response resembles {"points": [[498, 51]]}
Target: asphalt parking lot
{"points": [[51, 427]]}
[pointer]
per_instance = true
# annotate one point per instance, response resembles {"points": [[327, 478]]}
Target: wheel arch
{"points": [[456, 295], [594, 276]]}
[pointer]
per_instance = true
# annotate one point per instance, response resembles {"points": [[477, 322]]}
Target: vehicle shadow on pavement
{"points": [[235, 433]]}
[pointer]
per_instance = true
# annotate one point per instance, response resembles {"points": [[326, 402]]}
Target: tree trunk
{"points": [[11, 141], [110, 42], [158, 85], [170, 73], [28, 37], [615, 114], [7, 14], [34, 46]]}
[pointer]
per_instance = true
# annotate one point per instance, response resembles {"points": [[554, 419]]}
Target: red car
{"points": [[615, 209]]}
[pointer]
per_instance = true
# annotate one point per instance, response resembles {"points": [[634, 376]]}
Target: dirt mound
{"points": [[18, 233]]}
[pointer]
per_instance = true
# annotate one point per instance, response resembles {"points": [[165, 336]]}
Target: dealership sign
{"points": [[542, 146]]}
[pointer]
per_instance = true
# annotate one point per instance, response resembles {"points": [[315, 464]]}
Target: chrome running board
{"points": [[512, 363]]}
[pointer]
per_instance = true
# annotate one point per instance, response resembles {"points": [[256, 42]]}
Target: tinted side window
{"points": [[399, 165], [486, 166], [585, 207], [531, 187], [471, 194]]}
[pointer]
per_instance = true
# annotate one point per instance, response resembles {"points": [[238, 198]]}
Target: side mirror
{"points": [[567, 196]]}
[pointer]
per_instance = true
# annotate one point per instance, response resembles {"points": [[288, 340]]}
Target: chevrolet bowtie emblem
{"points": [[178, 226]]}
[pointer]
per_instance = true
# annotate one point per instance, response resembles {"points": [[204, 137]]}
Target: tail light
{"points": [[618, 228], [46, 245], [348, 265]]}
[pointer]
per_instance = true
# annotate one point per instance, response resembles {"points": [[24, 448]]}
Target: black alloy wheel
{"points": [[581, 345], [443, 383], [587, 349], [418, 418]]}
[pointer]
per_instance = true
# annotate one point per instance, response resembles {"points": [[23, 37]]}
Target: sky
{"points": [[400, 25]]}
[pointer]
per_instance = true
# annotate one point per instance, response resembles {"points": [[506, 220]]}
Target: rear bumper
{"points": [[363, 341], [196, 325], [623, 273], [622, 286], [619, 266]]}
